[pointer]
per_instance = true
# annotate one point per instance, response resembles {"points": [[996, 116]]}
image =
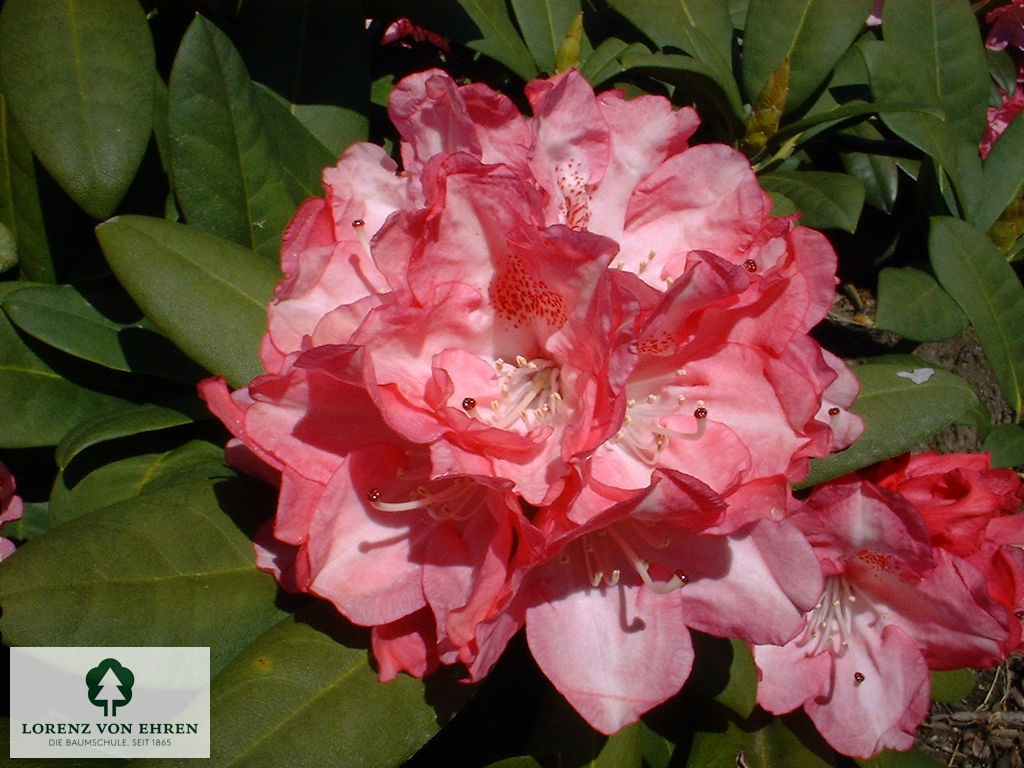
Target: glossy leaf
{"points": [[78, 76], [148, 417], [812, 34], [765, 743], [208, 295], [974, 272], [879, 174], [725, 672], [1006, 444], [898, 413], [544, 24], [122, 480], [336, 128], [893, 759], [657, 750], [304, 693], [300, 155], [226, 176], [949, 686], [603, 64], [168, 567], [1004, 174], [20, 209], [701, 28], [38, 403], [913, 305], [499, 39], [826, 200]]}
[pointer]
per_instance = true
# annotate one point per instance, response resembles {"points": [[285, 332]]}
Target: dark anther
{"points": [[468, 403], [858, 678], [681, 576], [700, 413], [373, 494], [833, 411], [358, 222], [750, 265]]}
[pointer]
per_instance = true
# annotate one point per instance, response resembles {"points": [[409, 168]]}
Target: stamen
{"points": [[360, 227], [426, 499], [640, 566], [833, 414]]}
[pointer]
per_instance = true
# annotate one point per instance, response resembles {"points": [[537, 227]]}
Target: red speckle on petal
{"points": [[660, 343], [518, 297]]}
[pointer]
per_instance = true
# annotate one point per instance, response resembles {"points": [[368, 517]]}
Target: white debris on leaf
{"points": [[918, 375]]}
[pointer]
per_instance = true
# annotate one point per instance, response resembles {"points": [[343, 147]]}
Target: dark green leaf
{"points": [[623, 749], [766, 743], [1006, 444], [1002, 70], [304, 694], [20, 209], [878, 174], [499, 39], [208, 295], [604, 63], [336, 128], [945, 37], [123, 480], [898, 413], [952, 685], [826, 200], [657, 750], [148, 417], [78, 76], [226, 176], [544, 24], [300, 155], [523, 761], [812, 34], [974, 272], [700, 28], [169, 567], [35, 519], [892, 759], [1004, 175], [823, 119], [913, 305], [8, 250], [37, 403]]}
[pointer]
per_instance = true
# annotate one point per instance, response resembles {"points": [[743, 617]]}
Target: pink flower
{"points": [[1007, 26], [610, 604], [11, 508], [972, 511], [892, 608], [999, 118]]}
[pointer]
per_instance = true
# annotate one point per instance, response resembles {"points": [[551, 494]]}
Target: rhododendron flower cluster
{"points": [[555, 374]]}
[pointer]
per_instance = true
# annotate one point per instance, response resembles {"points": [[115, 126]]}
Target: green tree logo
{"points": [[110, 685]]}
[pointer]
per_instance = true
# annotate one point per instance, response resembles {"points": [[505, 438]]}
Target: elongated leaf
{"points": [[498, 36], [701, 28], [974, 272], [208, 295], [878, 174], [603, 64], [812, 34], [38, 404], [300, 155], [945, 37], [334, 127], [304, 694], [766, 743], [78, 76], [169, 567], [827, 200], [226, 176], [893, 759], [1004, 175], [544, 24], [657, 750], [898, 413], [1006, 444], [123, 480], [952, 685], [20, 210], [148, 417], [913, 305]]}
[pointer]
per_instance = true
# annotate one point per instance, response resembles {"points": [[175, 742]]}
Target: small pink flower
{"points": [[892, 608], [11, 508]]}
